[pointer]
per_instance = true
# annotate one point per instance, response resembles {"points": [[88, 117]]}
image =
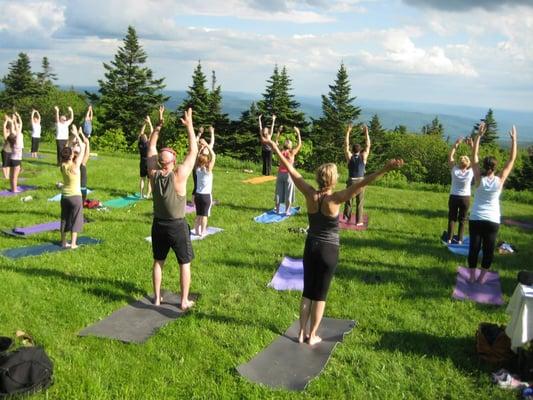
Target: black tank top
{"points": [[356, 166], [323, 227]]}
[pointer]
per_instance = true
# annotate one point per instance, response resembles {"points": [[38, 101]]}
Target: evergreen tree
{"points": [[198, 98], [46, 76], [129, 91], [278, 100], [401, 129], [19, 81], [435, 128], [244, 141], [491, 126], [379, 143], [337, 113]]}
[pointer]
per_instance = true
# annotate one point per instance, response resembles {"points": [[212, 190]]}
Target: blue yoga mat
{"points": [[57, 197], [271, 216], [461, 249], [20, 252]]}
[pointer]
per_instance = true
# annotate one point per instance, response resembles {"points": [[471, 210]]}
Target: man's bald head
{"points": [[167, 156]]}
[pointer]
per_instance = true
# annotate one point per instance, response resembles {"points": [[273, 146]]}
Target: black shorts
{"points": [[320, 263], [202, 203], [143, 168], [35, 144], [175, 234], [13, 163], [458, 208]]}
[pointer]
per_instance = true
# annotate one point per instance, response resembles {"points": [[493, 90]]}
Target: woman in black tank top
{"points": [[322, 243]]}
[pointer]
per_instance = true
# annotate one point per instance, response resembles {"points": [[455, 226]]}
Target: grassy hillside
{"points": [[412, 340]]}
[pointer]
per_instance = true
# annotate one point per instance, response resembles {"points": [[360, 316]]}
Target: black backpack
{"points": [[25, 370]]}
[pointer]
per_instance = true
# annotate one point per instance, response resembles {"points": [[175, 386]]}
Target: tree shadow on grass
{"points": [[418, 212], [98, 284], [227, 319]]}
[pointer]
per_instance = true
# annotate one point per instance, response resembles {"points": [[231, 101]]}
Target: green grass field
{"points": [[412, 341]]}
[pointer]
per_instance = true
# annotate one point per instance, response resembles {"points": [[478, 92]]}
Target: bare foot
{"points": [[302, 337], [314, 340], [185, 305], [157, 303], [73, 246], [66, 245]]}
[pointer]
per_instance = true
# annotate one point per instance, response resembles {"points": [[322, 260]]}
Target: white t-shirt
{"points": [[461, 181], [487, 200], [204, 181], [35, 130], [62, 131]]}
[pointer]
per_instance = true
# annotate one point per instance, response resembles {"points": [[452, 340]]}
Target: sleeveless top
{"points": [[356, 166], [35, 130], [87, 127], [143, 148], [204, 181], [487, 200], [71, 181], [61, 131], [16, 151], [461, 181], [288, 155], [323, 228], [167, 203]]}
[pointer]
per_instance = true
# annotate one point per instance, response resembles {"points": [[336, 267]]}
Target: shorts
{"points": [[13, 163], [35, 144], [458, 208], [202, 203], [172, 234], [143, 168]]}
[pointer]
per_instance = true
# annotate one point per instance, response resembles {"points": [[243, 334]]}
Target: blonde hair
{"points": [[287, 145], [326, 176], [203, 160], [464, 162]]}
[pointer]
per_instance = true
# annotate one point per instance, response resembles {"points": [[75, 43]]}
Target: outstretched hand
{"points": [[364, 128], [469, 142], [211, 130], [458, 141], [187, 118], [482, 128], [162, 113], [513, 133]]}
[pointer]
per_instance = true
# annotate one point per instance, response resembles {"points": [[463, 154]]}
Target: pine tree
{"points": [[244, 141], [491, 126], [435, 128], [19, 81], [337, 113], [129, 91], [198, 98], [46, 76], [278, 100]]}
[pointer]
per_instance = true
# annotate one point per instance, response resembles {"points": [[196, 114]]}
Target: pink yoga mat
{"points": [[343, 224], [488, 293]]}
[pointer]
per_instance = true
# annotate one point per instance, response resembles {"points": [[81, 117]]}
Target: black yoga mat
{"points": [[137, 321], [290, 365]]}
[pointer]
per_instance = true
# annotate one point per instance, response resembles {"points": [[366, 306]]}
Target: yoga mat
{"points": [[137, 321], [461, 249], [351, 225], [260, 179], [189, 208], [37, 250], [57, 197], [21, 188], [28, 155], [34, 229], [211, 230], [488, 293], [290, 365], [271, 216], [520, 224], [122, 201], [289, 276]]}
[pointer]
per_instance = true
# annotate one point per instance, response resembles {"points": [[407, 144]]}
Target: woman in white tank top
{"points": [[485, 216]]}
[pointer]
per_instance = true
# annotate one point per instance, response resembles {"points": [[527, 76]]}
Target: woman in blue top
{"points": [[485, 217]]}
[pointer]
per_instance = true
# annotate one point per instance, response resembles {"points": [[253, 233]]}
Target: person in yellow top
{"points": [[71, 201]]}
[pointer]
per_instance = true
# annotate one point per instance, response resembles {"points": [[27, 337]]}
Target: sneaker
{"points": [[510, 382], [499, 375]]}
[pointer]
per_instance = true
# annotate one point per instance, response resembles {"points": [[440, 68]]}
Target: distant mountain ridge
{"points": [[457, 120]]}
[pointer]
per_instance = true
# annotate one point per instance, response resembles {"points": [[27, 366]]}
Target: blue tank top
{"points": [[323, 227], [356, 166]]}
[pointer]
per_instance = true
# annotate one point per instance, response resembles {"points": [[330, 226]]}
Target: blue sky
{"points": [[476, 53]]}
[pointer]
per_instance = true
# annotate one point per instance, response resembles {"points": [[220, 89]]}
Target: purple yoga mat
{"points": [[30, 230], [488, 293], [289, 276], [21, 188]]}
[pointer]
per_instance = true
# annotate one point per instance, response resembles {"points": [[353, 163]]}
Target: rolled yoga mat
{"points": [[137, 321], [259, 179], [290, 365], [289, 276], [123, 201], [37, 250], [271, 216], [488, 293], [21, 188], [351, 225]]}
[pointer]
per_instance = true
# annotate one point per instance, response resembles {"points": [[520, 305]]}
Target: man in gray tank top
{"points": [[169, 228]]}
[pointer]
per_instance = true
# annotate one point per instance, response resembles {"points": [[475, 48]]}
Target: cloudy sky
{"points": [[440, 51]]}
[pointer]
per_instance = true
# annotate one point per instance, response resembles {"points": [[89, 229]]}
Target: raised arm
{"points": [[18, 123], [272, 127], [299, 145], [212, 157], [299, 181], [141, 132], [451, 154], [149, 122], [508, 167], [80, 157], [71, 112], [347, 152], [200, 133], [260, 126], [211, 138], [7, 120], [366, 151], [151, 160], [475, 153], [352, 190], [187, 166], [56, 108], [87, 153], [89, 114]]}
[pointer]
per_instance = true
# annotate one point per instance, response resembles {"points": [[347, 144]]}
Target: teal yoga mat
{"points": [[122, 201], [37, 250]]}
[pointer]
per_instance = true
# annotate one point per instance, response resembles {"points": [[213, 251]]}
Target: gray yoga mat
{"points": [[37, 250], [290, 365], [136, 322]]}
